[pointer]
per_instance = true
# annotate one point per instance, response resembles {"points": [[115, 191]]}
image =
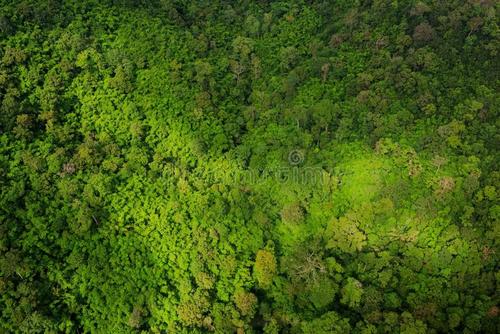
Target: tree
{"points": [[252, 26], [292, 213], [329, 322], [245, 302], [423, 33], [264, 268], [352, 292], [343, 234]]}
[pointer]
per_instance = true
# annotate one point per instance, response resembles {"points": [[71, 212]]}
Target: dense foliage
{"points": [[249, 166]]}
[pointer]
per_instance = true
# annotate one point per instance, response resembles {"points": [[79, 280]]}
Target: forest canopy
{"points": [[298, 166]]}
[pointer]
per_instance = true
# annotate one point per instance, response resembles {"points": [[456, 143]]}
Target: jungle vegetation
{"points": [[293, 166]]}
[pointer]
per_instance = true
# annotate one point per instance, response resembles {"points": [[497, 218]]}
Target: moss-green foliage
{"points": [[249, 166]]}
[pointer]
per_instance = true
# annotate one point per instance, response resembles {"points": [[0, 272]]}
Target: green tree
{"points": [[265, 268]]}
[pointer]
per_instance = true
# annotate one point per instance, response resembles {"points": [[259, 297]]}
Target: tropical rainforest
{"points": [[293, 166]]}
